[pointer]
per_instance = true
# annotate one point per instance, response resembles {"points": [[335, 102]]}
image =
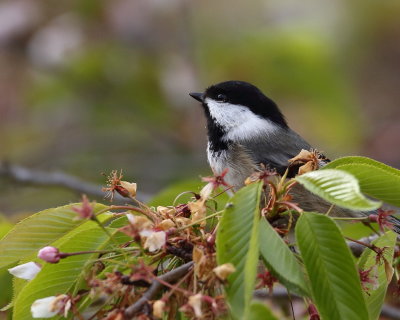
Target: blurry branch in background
{"points": [[281, 294], [24, 175]]}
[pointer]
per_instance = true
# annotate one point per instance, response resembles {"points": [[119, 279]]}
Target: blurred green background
{"points": [[87, 86]]}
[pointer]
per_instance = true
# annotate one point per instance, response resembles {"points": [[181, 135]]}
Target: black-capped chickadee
{"points": [[247, 129]]}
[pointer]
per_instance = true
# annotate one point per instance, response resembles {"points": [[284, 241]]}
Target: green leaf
{"points": [[237, 243], [376, 297], [280, 260], [337, 187], [6, 287], [168, 195], [259, 311], [59, 278], [334, 279], [118, 222], [375, 178], [37, 231], [19, 284], [356, 230]]}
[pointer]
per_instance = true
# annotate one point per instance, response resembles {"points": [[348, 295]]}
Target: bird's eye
{"points": [[222, 97]]}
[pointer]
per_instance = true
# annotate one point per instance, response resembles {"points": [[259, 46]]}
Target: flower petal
{"points": [[154, 240], [25, 271], [195, 303], [224, 270]]}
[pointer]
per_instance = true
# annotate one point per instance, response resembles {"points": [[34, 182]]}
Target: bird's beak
{"points": [[197, 95]]}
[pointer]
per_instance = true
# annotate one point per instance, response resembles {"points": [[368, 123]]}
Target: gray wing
{"points": [[276, 148]]}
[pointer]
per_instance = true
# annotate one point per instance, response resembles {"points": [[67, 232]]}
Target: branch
{"points": [[156, 286], [42, 178], [279, 293], [390, 312]]}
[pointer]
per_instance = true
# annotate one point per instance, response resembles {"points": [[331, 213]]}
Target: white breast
{"points": [[236, 160], [218, 160]]}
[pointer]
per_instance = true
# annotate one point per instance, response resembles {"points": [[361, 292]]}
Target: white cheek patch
{"points": [[238, 121]]}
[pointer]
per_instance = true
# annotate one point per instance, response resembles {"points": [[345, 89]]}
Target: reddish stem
{"points": [[367, 245], [131, 208]]}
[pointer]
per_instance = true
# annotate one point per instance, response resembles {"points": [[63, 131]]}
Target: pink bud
{"points": [[373, 217], [49, 254]]}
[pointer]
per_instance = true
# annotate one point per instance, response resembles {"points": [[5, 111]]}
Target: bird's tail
{"points": [[396, 223]]}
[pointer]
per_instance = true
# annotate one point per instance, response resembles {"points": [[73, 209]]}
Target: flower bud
{"points": [[158, 308], [166, 211], [130, 187], [49, 254], [166, 224]]}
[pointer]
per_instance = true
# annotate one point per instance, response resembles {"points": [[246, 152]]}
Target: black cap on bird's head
{"points": [[244, 94]]}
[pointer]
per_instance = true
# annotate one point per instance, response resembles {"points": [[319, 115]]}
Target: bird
{"points": [[246, 130]]}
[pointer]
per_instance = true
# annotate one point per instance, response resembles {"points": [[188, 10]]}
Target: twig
{"points": [[361, 244], [156, 286], [131, 208], [358, 246], [37, 177]]}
